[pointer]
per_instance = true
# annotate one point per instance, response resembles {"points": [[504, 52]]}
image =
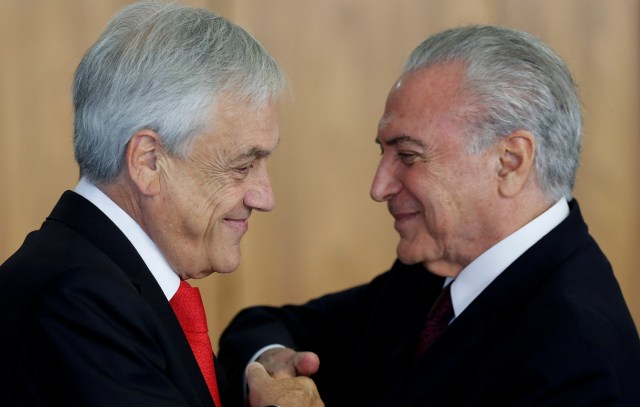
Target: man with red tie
{"points": [[175, 119], [499, 297]]}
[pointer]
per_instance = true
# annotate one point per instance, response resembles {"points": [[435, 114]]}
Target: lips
{"points": [[401, 217], [403, 221], [402, 213], [238, 223]]}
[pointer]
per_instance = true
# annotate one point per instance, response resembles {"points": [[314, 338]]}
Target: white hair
{"points": [[161, 66], [514, 82]]}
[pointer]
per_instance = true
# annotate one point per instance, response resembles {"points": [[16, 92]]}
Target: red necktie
{"points": [[188, 307], [437, 320]]}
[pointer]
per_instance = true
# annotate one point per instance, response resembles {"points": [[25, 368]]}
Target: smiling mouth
{"points": [[402, 218], [242, 223]]}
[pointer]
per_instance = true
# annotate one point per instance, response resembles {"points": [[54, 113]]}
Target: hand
{"points": [[265, 390], [287, 363]]}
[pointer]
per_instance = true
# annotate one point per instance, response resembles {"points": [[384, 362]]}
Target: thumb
{"points": [[306, 363], [255, 374]]}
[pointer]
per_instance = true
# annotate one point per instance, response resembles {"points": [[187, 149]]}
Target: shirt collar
{"points": [[146, 248], [474, 278]]}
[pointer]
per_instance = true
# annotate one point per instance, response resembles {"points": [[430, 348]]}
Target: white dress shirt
{"points": [[168, 280], [474, 278]]}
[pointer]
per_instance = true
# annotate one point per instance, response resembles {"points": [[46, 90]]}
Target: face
{"points": [[207, 198], [440, 196]]}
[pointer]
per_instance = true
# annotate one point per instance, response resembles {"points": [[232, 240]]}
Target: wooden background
{"points": [[341, 57]]}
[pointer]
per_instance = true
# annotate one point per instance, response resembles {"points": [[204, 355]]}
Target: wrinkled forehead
{"points": [[429, 92]]}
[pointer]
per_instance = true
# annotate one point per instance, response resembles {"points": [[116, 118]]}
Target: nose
{"points": [[260, 195], [385, 184]]}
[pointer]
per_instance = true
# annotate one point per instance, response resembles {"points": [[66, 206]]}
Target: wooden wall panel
{"points": [[341, 57]]}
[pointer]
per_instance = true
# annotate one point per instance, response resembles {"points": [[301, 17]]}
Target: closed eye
{"points": [[408, 158], [243, 170]]}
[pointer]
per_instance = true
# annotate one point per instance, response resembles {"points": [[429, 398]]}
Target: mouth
{"points": [[241, 224], [403, 218], [402, 214]]}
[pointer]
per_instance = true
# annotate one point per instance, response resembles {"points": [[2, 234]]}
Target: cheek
{"points": [[225, 202], [214, 210], [439, 207], [199, 212]]}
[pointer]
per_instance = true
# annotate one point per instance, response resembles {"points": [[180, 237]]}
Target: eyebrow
{"points": [[254, 152], [402, 139]]}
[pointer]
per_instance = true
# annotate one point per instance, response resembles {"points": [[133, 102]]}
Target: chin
{"points": [[407, 254], [212, 268], [222, 258], [226, 270], [229, 266], [407, 258]]}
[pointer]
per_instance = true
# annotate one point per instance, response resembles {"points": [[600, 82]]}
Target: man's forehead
{"points": [[384, 122], [397, 123], [413, 112]]}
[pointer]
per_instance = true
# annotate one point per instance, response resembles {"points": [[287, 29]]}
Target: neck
{"points": [[125, 194]]}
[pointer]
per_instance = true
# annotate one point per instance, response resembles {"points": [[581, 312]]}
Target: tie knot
{"points": [[188, 307], [442, 310]]}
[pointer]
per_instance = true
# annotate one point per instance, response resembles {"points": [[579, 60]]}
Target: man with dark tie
{"points": [[175, 119], [499, 296]]}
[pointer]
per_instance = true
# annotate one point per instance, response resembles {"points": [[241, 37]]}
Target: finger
{"points": [[255, 374], [279, 362], [306, 363]]}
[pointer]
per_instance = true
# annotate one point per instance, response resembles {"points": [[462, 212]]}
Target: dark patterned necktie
{"points": [[437, 321], [188, 307]]}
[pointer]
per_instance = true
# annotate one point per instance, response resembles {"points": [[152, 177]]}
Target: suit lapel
{"points": [[95, 226], [499, 301]]}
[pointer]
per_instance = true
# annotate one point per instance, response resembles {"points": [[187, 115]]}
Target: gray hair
{"points": [[514, 82], [161, 66]]}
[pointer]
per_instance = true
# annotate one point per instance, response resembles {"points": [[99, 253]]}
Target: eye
{"points": [[244, 169], [407, 157]]}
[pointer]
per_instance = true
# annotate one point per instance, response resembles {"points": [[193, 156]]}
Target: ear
{"points": [[517, 152], [143, 159]]}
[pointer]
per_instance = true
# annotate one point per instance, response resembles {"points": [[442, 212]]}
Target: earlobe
{"points": [[142, 160], [516, 162]]}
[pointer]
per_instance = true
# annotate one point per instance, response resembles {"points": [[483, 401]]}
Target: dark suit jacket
{"points": [[552, 329], [84, 323]]}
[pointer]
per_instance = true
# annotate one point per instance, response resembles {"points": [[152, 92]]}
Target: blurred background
{"points": [[341, 57]]}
